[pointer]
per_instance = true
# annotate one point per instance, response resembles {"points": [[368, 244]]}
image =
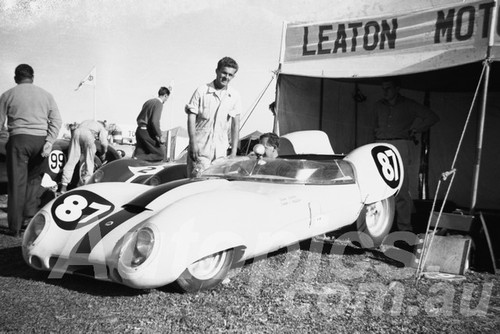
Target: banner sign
{"points": [[463, 26]]}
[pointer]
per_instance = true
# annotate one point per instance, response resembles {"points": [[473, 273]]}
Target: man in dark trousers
{"points": [[149, 145], [398, 120], [33, 122]]}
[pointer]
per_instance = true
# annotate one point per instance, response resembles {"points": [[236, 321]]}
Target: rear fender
{"points": [[379, 171]]}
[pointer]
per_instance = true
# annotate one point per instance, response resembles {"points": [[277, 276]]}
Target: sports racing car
{"points": [[191, 231]]}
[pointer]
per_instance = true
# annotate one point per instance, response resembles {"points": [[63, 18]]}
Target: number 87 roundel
{"points": [[79, 208], [388, 164]]}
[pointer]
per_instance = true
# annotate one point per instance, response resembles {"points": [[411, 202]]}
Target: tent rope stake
{"points": [[429, 237]]}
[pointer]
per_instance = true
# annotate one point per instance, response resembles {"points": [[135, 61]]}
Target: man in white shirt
{"points": [[213, 109]]}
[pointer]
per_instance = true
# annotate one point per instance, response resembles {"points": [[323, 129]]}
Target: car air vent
{"points": [[133, 208], [150, 195]]}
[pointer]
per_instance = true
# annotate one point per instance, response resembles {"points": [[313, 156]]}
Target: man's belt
{"points": [[143, 127]]}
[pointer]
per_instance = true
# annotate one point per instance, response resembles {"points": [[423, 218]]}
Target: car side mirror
{"points": [[259, 150]]}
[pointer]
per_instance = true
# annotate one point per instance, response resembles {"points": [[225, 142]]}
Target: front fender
{"points": [[173, 254], [184, 234], [379, 171]]}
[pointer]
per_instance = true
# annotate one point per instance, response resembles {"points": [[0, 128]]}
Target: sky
{"points": [[139, 46]]}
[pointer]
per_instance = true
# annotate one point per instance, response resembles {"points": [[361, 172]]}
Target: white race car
{"points": [[190, 231]]}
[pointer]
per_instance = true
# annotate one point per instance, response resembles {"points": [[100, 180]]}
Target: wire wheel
{"points": [[207, 267], [206, 272]]}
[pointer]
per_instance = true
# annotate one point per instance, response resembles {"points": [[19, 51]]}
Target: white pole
{"points": [[482, 115], [95, 103]]}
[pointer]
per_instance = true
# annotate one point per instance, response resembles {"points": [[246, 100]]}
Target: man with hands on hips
{"points": [[33, 122]]}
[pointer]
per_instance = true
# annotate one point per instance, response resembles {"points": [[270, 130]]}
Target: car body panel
{"points": [[140, 171], [283, 218], [379, 176]]}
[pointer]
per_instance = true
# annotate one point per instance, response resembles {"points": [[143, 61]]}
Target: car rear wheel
{"points": [[375, 220], [207, 272], [82, 169]]}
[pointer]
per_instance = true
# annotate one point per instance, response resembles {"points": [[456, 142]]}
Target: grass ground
{"points": [[309, 288]]}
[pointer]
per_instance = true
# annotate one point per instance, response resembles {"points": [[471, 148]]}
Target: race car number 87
{"points": [[388, 165], [388, 162], [79, 208]]}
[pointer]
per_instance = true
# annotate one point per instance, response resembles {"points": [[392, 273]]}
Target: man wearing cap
{"points": [[150, 145], [33, 122]]}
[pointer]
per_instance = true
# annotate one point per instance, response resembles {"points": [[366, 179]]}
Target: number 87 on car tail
{"points": [[379, 170]]}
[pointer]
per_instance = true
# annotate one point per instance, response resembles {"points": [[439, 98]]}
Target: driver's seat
{"points": [[305, 142]]}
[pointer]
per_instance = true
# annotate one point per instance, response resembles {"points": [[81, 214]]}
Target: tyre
{"points": [[375, 221], [207, 272], [81, 170]]}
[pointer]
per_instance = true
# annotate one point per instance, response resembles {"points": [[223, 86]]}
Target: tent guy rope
{"points": [[444, 176]]}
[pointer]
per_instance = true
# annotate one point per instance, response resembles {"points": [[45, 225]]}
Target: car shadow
{"points": [[342, 247], [12, 265], [310, 245]]}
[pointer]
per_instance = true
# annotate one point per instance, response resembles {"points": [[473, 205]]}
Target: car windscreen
{"points": [[284, 171]]}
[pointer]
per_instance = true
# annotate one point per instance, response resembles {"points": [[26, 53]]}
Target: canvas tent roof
{"points": [[252, 136], [329, 68]]}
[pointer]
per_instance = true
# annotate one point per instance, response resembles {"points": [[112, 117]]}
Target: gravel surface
{"points": [[309, 288]]}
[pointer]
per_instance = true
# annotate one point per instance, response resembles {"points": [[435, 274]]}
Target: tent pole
{"points": [[95, 103], [423, 171], [480, 135], [482, 116], [276, 120], [257, 101], [356, 111], [322, 93]]}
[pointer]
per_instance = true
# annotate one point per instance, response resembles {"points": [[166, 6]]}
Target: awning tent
{"points": [[330, 70]]}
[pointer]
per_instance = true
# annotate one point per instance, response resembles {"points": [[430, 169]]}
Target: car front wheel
{"points": [[375, 220], [207, 272]]}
